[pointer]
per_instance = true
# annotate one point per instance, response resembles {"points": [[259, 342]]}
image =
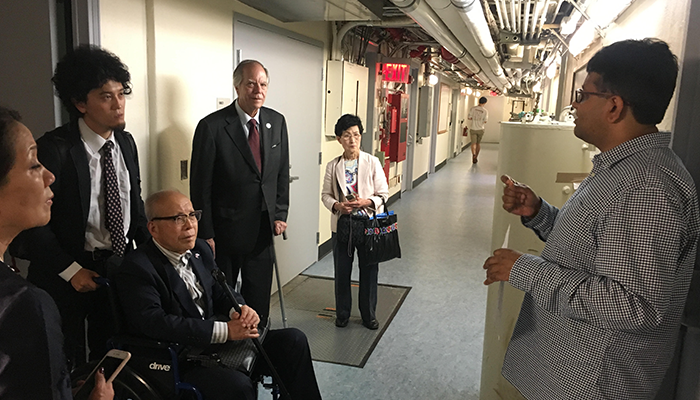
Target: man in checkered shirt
{"points": [[603, 303]]}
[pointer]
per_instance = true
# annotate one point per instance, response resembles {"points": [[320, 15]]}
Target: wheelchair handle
{"points": [[221, 279]]}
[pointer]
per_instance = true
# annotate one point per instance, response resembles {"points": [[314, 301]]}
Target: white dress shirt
{"points": [[182, 265], [96, 234], [244, 118]]}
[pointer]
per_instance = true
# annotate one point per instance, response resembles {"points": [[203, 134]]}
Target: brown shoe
{"points": [[474, 160]]}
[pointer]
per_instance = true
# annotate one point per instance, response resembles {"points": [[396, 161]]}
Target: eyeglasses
{"points": [[580, 95], [180, 219], [348, 135]]}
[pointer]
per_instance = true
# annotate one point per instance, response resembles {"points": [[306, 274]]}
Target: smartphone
{"points": [[113, 362], [350, 197]]}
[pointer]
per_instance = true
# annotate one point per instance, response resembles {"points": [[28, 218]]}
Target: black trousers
{"points": [[342, 261], [289, 352], [94, 307], [255, 268]]}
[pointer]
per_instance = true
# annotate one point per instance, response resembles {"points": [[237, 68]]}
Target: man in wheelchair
{"points": [[167, 292]]}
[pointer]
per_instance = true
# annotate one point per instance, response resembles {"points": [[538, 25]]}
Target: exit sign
{"points": [[395, 72]]}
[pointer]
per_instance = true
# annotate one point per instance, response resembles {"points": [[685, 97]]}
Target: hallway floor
{"points": [[433, 347]]}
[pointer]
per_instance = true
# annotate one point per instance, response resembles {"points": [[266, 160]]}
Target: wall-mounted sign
{"points": [[395, 72]]}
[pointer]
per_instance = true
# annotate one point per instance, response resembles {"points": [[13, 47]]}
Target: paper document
{"points": [[501, 284]]}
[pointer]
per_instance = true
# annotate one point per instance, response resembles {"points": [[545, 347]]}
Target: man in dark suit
{"points": [[240, 181], [167, 292], [97, 208]]}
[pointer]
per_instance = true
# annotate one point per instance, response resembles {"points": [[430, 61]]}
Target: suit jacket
{"points": [[156, 302], [52, 248], [32, 364], [225, 182], [371, 183]]}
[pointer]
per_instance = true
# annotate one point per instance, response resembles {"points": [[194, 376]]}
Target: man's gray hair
{"points": [[238, 72]]}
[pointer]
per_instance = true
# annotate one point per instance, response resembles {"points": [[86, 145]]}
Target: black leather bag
{"points": [[381, 241], [351, 226]]}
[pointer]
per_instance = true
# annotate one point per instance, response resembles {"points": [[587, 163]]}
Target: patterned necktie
{"points": [[185, 271], [114, 219], [254, 142]]}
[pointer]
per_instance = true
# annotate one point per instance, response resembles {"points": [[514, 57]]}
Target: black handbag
{"points": [[381, 238], [351, 227]]}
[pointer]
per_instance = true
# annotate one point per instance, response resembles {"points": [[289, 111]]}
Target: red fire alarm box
{"points": [[398, 131]]}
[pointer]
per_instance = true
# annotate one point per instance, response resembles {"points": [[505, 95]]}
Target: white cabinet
{"points": [[346, 92]]}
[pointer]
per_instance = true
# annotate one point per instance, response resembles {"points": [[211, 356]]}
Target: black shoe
{"points": [[341, 323], [373, 324]]}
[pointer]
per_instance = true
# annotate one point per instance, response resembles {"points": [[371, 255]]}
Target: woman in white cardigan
{"points": [[354, 184]]}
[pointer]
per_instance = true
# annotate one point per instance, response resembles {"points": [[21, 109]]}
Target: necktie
{"points": [[254, 142], [187, 274], [110, 186]]}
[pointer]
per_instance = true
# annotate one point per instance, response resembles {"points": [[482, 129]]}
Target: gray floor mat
{"points": [[309, 306]]}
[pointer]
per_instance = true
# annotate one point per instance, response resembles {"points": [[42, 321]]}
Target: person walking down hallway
{"points": [[97, 209], [603, 302], [354, 183], [240, 181], [477, 117]]}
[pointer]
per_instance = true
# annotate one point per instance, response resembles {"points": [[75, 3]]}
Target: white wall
{"points": [[123, 25], [499, 110]]}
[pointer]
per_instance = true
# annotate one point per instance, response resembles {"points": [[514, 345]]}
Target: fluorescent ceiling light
{"points": [[570, 25], [603, 13], [469, 91], [538, 87], [552, 71], [582, 38], [478, 94]]}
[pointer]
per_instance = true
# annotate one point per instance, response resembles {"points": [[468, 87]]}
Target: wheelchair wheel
{"points": [[128, 385]]}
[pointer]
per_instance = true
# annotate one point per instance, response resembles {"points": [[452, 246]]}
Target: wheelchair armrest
{"points": [[119, 341]]}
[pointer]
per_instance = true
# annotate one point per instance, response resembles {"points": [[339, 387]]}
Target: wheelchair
{"points": [[154, 370]]}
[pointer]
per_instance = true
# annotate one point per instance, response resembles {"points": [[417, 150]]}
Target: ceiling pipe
{"points": [[505, 15], [543, 19], [472, 15], [397, 22], [427, 18], [526, 20], [498, 11], [539, 8]]}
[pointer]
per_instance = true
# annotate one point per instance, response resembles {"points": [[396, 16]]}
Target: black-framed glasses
{"points": [[581, 95], [180, 219]]}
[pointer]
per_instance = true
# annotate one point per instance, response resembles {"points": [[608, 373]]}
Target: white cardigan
{"points": [[371, 183]]}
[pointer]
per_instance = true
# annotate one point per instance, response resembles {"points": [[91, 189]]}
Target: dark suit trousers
{"points": [[255, 268], [289, 353], [342, 263], [75, 307]]}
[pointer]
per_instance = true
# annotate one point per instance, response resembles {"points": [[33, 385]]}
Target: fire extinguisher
{"points": [[465, 132]]}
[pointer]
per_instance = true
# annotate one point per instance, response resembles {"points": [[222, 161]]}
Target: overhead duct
{"points": [[397, 22], [426, 17], [472, 14], [453, 19]]}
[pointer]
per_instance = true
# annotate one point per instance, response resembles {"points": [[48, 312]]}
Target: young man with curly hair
{"points": [[98, 212]]}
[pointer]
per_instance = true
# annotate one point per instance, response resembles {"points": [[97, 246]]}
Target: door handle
{"points": [[293, 178]]}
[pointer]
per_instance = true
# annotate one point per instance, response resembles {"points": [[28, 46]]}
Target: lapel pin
{"points": [[268, 126], [196, 255]]}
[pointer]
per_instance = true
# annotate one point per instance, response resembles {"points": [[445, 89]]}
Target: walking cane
{"points": [[277, 275], [221, 278]]}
